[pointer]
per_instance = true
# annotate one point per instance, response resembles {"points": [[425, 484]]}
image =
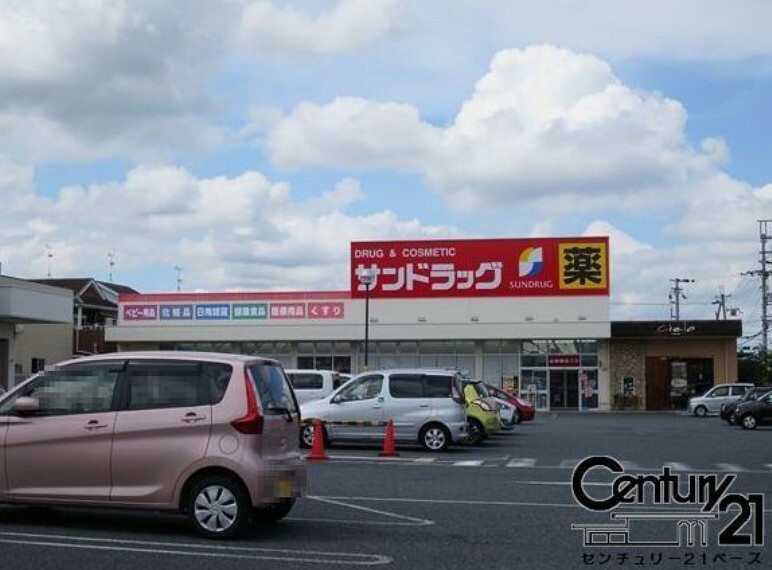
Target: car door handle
{"points": [[423, 405], [94, 424], [377, 407], [191, 417]]}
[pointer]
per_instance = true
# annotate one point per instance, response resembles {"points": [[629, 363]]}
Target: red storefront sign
{"points": [[325, 311], [482, 267], [563, 360]]}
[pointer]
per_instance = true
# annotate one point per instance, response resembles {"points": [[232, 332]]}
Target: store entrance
{"points": [[564, 389]]}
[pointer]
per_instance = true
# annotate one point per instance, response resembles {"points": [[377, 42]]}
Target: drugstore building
{"points": [[530, 314]]}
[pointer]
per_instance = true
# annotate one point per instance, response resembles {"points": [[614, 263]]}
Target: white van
{"points": [[426, 406], [312, 385], [710, 402]]}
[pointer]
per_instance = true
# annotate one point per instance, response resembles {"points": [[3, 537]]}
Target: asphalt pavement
{"points": [[505, 504]]}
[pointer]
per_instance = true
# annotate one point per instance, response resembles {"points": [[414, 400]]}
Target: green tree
{"points": [[754, 367]]}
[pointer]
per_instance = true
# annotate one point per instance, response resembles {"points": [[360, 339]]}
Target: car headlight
{"points": [[484, 405]]}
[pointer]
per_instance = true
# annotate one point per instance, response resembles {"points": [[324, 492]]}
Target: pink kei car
{"points": [[213, 436]]}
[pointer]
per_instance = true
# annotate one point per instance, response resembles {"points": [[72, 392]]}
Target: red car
{"points": [[526, 411]]}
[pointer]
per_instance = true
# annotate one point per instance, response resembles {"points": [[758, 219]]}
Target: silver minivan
{"points": [[426, 406], [710, 402]]}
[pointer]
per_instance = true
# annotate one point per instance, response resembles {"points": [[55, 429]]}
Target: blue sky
{"points": [[249, 141]]}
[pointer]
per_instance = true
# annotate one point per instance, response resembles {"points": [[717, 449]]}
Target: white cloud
{"points": [[244, 232], [544, 125], [620, 243], [352, 133], [275, 30]]}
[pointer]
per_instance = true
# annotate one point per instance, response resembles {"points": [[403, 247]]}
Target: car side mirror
{"points": [[335, 400], [25, 405]]}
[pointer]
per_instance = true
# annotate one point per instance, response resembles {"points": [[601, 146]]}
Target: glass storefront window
{"points": [[533, 387], [492, 368], [437, 346], [587, 346], [383, 347], [589, 360], [534, 360], [562, 347], [534, 347]]}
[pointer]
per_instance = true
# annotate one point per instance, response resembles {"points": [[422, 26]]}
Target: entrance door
{"points": [[657, 389], [564, 389]]}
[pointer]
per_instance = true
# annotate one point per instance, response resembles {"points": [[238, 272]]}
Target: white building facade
{"points": [[531, 314]]}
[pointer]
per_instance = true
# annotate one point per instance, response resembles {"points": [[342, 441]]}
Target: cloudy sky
{"points": [[248, 141]]}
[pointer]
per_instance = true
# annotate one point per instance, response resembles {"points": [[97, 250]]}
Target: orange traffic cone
{"points": [[317, 449], [388, 442]]}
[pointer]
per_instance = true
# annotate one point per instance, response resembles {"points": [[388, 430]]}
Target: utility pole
{"points": [[675, 296], [111, 263], [721, 300], [49, 255], [764, 272], [178, 269]]}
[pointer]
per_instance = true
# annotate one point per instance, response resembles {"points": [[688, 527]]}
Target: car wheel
{"points": [[749, 421], [517, 419], [435, 437], [218, 507], [700, 411], [476, 431], [307, 436], [273, 513]]}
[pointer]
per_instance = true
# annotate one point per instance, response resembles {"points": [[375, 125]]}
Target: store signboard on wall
{"points": [[233, 308], [530, 267]]}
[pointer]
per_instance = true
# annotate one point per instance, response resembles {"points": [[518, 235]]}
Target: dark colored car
{"points": [[526, 411], [751, 414], [728, 410]]}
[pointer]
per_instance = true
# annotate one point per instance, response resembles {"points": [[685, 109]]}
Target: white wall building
{"points": [[525, 313], [23, 306]]}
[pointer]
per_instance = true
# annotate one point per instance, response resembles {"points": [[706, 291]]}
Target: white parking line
{"points": [[459, 502], [522, 462], [411, 521], [475, 463], [484, 503], [730, 467], [192, 549], [675, 466]]}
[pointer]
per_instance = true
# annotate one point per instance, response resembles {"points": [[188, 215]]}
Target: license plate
{"points": [[285, 487]]}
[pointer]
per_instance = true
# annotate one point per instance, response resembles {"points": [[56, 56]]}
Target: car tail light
{"points": [[252, 422]]}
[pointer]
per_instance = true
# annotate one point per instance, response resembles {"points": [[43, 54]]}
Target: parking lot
{"points": [[502, 504]]}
